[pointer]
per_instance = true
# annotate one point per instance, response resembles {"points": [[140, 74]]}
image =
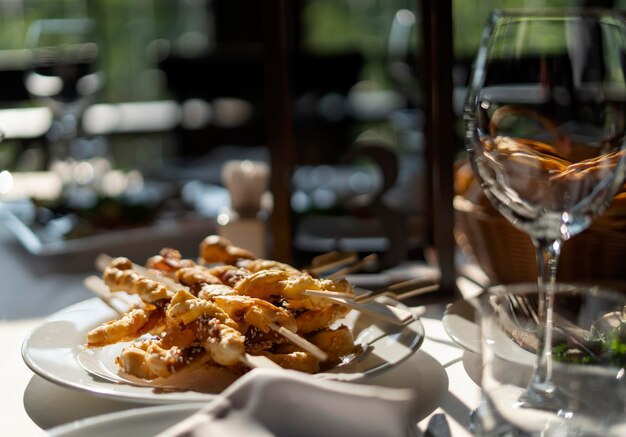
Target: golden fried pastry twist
{"points": [[259, 264], [132, 360], [267, 284], [210, 290], [296, 360], [314, 320], [215, 331], [296, 284], [263, 284], [125, 328], [259, 313], [185, 308], [216, 249], [229, 275], [195, 277], [131, 282], [164, 362], [168, 262], [225, 344], [336, 343], [150, 359]]}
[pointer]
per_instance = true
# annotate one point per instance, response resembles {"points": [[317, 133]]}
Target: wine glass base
{"points": [[543, 396]]}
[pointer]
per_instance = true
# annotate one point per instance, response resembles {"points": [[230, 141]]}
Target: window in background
{"points": [[383, 108], [360, 182], [133, 37]]}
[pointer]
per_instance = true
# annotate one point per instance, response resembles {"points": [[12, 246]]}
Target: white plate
{"points": [[461, 323], [138, 422], [53, 348], [255, 405]]}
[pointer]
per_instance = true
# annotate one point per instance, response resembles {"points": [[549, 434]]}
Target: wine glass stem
{"points": [[541, 392]]}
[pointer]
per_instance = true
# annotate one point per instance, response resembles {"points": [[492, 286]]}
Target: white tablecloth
{"points": [[439, 372], [34, 287]]}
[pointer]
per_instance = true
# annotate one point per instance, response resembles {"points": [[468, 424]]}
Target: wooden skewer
{"points": [[400, 296], [320, 265], [394, 315], [323, 293], [369, 259], [103, 261], [299, 341], [417, 291], [411, 284], [97, 287], [258, 361]]}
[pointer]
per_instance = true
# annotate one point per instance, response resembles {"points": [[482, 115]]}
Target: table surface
{"points": [[441, 372]]}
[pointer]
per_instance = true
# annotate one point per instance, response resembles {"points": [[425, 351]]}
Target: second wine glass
{"points": [[64, 75], [545, 122]]}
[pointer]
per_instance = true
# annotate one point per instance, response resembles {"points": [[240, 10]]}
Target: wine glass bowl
{"points": [[545, 123], [544, 128]]}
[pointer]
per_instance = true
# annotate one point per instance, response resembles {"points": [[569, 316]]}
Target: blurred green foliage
{"points": [[135, 33]]}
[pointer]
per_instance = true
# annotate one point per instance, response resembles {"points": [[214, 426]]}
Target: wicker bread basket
{"points": [[506, 254]]}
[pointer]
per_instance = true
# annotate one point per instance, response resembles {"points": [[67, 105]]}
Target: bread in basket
{"points": [[506, 254]]}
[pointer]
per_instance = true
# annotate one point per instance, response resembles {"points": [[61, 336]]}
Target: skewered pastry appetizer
{"points": [[212, 312]]}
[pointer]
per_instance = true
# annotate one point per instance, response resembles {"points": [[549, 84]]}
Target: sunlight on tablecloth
{"points": [[14, 377]]}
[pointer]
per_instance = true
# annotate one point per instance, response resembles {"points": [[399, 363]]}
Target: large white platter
{"points": [[52, 350]]}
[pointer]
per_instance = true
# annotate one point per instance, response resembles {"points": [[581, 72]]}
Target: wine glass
{"points": [[63, 75], [545, 120]]}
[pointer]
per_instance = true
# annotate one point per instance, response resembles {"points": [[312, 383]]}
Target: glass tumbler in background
{"points": [[588, 359]]}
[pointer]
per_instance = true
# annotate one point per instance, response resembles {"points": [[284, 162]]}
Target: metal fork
{"points": [[528, 308], [522, 306]]}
